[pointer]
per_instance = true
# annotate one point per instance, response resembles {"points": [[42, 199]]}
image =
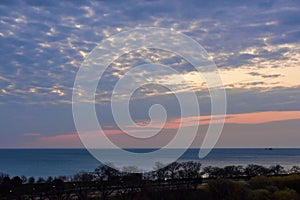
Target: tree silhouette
{"points": [[190, 172], [233, 171], [57, 190], [31, 180], [82, 184], [2, 176], [160, 171], [130, 183], [214, 172], [106, 176], [276, 170], [41, 180], [256, 170], [172, 170], [295, 170], [16, 181]]}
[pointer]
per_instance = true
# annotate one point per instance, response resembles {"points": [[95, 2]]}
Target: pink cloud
{"points": [[243, 118], [72, 140], [262, 117]]}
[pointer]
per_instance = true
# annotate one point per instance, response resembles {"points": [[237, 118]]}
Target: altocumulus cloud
{"points": [[43, 43]]}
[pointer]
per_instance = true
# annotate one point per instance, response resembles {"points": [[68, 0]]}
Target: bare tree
{"points": [[82, 184], [105, 177], [295, 170]]}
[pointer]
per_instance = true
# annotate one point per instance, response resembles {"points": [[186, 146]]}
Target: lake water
{"points": [[55, 162]]}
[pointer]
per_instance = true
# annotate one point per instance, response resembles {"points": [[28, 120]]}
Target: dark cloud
{"points": [[264, 75], [271, 76], [255, 74]]}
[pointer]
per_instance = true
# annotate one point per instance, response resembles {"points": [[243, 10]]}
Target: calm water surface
{"points": [[55, 162]]}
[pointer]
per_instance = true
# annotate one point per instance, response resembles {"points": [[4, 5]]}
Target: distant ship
{"points": [[268, 148]]}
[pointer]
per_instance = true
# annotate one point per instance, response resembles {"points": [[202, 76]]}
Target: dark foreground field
{"points": [[176, 181]]}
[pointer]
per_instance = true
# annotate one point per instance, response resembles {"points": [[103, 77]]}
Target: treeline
{"points": [[103, 183], [248, 171], [166, 182], [257, 188]]}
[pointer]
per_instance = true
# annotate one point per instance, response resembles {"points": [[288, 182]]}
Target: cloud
{"points": [[241, 130], [271, 76], [243, 118], [264, 76], [52, 44], [254, 44]]}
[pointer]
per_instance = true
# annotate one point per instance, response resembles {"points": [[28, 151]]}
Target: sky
{"points": [[254, 44]]}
